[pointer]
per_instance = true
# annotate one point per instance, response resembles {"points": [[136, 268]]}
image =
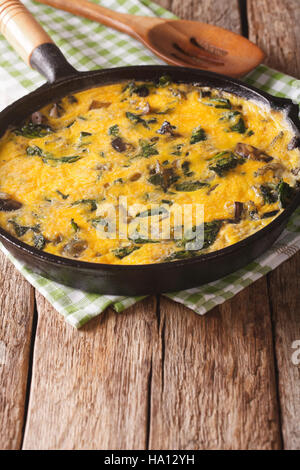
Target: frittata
{"points": [[108, 174]]}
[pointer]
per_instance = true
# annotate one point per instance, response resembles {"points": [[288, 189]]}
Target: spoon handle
{"points": [[130, 24]]}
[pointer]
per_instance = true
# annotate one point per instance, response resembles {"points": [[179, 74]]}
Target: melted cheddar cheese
{"points": [[79, 178]]}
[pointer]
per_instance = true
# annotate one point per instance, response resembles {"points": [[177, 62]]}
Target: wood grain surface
{"points": [[213, 382], [274, 25], [284, 289], [276, 28], [17, 310], [225, 13], [90, 388], [158, 376]]}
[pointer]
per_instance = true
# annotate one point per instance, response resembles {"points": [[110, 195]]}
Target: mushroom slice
{"points": [[118, 144], [7, 204], [145, 109], [103, 166], [168, 129], [238, 211], [95, 104], [75, 248], [56, 111], [276, 167], [294, 143], [72, 99], [136, 176], [37, 118], [251, 152], [295, 171]]}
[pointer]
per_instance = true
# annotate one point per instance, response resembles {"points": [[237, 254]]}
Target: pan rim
{"points": [[281, 104]]}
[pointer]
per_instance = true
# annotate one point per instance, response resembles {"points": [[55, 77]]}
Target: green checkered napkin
{"points": [[89, 45]]}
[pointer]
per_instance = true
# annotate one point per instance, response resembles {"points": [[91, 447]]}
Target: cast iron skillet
{"points": [[140, 279]]}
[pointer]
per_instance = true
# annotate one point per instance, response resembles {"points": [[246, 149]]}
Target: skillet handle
{"points": [[20, 28], [31, 42]]}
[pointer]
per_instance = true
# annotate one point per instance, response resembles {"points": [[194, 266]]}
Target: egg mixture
{"points": [[105, 175]]}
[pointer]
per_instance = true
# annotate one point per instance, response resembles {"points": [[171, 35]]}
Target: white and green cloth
{"points": [[89, 45]]}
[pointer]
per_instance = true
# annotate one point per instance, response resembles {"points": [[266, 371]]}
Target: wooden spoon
{"points": [[178, 42]]}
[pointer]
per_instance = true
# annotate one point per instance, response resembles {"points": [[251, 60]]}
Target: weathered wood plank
{"points": [[284, 284], [277, 30], [109, 398], [225, 13], [198, 398], [90, 388], [275, 27], [213, 377], [17, 309], [213, 384]]}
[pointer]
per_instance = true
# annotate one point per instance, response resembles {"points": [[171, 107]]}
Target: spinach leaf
{"points": [[39, 241], [84, 134], [224, 162], [211, 231], [64, 196], [125, 251], [188, 186], [229, 115], [99, 221], [164, 81], [177, 150], [140, 90], [71, 159], [219, 103], [165, 177], [153, 211], [20, 230], [269, 193], [198, 135], [114, 130], [91, 202], [285, 194], [165, 111], [137, 119], [186, 168], [32, 131], [147, 149], [156, 179], [34, 150], [239, 127], [181, 254], [142, 241], [75, 226]]}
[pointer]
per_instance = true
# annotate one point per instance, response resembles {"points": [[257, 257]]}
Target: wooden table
{"points": [[158, 376]]}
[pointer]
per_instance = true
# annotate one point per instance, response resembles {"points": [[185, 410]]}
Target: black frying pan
{"points": [[63, 79]]}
